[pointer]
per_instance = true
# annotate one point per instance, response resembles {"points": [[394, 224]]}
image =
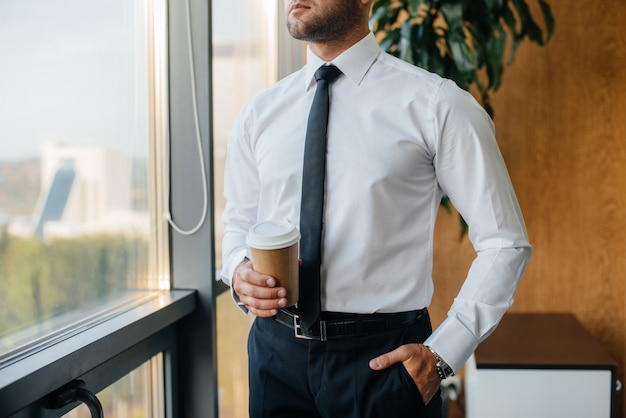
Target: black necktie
{"points": [[312, 204]]}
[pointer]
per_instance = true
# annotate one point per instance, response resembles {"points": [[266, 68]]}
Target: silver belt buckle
{"points": [[297, 330]]}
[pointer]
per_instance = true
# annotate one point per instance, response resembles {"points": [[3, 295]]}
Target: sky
{"points": [[63, 65], [71, 70]]}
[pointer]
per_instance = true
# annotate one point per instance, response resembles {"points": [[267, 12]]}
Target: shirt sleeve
{"points": [[472, 173], [241, 191]]}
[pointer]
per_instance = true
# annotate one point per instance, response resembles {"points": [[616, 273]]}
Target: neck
{"points": [[329, 50]]}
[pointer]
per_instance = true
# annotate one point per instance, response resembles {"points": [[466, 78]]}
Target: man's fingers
{"points": [[258, 292], [263, 313], [244, 289], [248, 275], [251, 283], [386, 360]]}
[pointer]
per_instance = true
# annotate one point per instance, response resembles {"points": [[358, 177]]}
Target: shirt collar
{"points": [[353, 62]]}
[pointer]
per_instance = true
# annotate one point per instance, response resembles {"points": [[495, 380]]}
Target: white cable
{"points": [[205, 209]]}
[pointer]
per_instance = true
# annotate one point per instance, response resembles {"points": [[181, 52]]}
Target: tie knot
{"points": [[328, 73]]}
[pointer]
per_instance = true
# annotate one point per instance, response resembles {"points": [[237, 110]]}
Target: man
{"points": [[398, 137]]}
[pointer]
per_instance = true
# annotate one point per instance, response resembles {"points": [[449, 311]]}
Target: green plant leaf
{"points": [[529, 27], [494, 4], [511, 22], [462, 227], [453, 14], [404, 46], [379, 10], [549, 19], [390, 40], [445, 202], [461, 54], [415, 6], [495, 55]]}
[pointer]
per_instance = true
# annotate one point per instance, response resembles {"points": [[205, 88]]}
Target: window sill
{"points": [[28, 380]]}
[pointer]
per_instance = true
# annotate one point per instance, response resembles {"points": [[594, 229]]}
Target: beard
{"points": [[329, 24]]}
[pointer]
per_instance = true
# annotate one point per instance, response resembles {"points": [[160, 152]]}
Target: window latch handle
{"points": [[75, 391]]}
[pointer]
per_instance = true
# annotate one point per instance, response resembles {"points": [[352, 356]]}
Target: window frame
{"points": [[99, 355], [192, 256]]}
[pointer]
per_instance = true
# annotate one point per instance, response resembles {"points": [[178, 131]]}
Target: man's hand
{"points": [[258, 292], [419, 362]]}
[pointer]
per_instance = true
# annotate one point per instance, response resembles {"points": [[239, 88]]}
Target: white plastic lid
{"points": [[273, 234]]}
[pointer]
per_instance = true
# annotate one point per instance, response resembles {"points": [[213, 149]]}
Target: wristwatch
{"points": [[443, 369]]}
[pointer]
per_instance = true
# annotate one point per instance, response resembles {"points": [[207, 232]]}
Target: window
{"points": [[84, 260], [244, 62], [75, 116], [251, 50], [131, 396]]}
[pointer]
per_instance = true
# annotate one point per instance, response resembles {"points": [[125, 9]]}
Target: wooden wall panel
{"points": [[561, 123]]}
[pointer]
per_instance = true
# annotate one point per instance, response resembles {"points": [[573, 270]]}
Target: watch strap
{"points": [[443, 369]]}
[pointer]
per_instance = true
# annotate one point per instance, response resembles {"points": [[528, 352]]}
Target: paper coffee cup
{"points": [[274, 248]]}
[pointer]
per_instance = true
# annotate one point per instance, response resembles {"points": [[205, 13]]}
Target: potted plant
{"points": [[464, 40]]}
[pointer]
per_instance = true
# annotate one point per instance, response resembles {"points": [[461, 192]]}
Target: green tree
{"points": [[40, 280]]}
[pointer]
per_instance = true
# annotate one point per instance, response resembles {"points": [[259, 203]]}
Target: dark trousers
{"points": [[296, 378]]}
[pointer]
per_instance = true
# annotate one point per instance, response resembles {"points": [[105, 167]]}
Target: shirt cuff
{"points": [[453, 342], [239, 303], [228, 273]]}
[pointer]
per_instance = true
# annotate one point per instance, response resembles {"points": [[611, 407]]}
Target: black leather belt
{"points": [[342, 325]]}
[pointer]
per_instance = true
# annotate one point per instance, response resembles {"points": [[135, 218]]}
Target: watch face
{"points": [[444, 369], [447, 371]]}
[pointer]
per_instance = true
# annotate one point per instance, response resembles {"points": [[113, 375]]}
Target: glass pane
{"points": [[133, 396], [74, 191], [244, 62]]}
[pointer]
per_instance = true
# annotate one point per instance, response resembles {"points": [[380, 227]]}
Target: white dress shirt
{"points": [[398, 137]]}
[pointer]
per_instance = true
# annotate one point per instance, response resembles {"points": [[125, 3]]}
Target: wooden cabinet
{"points": [[540, 366]]}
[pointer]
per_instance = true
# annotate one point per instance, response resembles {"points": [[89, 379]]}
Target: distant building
{"points": [[85, 190]]}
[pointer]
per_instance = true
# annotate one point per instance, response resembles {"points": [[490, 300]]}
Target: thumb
{"points": [[385, 360]]}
